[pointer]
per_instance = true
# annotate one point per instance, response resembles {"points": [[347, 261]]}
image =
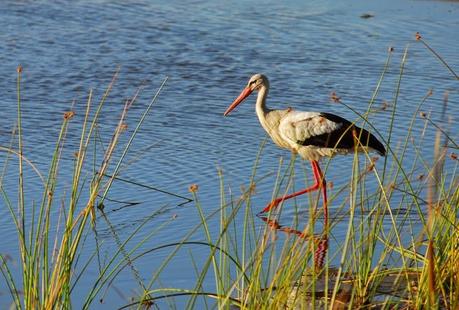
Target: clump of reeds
{"points": [[48, 264]]}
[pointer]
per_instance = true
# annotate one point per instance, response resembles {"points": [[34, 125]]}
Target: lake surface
{"points": [[207, 50]]}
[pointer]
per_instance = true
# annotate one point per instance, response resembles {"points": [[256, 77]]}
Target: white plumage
{"points": [[300, 126]]}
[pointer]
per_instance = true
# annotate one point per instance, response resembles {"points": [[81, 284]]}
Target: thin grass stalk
{"points": [[232, 258], [224, 231], [387, 141], [4, 269], [65, 243], [83, 146], [178, 292], [9, 280], [352, 207], [29, 301], [375, 94], [375, 228], [419, 38], [8, 155], [254, 289], [291, 254], [248, 214], [386, 66], [127, 147], [395, 101], [106, 273], [131, 139], [247, 241], [27, 161], [83, 270], [254, 263], [42, 237], [89, 209], [51, 290], [40, 263], [224, 243], [70, 244], [431, 221], [384, 253], [212, 258], [269, 271], [197, 272], [443, 132], [120, 267], [7, 200], [171, 255]]}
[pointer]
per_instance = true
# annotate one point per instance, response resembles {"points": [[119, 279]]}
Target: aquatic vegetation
{"points": [[399, 248], [49, 254]]}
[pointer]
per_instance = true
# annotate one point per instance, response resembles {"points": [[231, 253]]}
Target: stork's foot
{"points": [[272, 205], [274, 224], [321, 241]]}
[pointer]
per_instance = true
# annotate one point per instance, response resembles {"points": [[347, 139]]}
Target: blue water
{"points": [[207, 50]]}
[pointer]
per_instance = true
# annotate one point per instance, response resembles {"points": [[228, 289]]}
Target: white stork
{"points": [[310, 134]]}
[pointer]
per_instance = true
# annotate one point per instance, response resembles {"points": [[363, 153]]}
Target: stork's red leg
{"points": [[319, 183], [323, 185], [317, 179]]}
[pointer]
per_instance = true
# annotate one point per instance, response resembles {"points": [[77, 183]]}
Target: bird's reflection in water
{"points": [[321, 241]]}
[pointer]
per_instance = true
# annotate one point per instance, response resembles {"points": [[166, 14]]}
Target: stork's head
{"points": [[256, 82]]}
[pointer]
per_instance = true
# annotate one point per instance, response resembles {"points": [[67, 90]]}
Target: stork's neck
{"points": [[261, 107]]}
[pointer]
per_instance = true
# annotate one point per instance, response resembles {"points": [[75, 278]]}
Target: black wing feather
{"points": [[343, 137]]}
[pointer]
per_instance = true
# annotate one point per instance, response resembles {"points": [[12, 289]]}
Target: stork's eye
{"points": [[253, 82]]}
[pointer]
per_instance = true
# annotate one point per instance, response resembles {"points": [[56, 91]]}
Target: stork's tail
{"points": [[371, 141], [377, 146]]}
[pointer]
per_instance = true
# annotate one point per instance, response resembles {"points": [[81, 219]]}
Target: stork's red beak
{"points": [[244, 94]]}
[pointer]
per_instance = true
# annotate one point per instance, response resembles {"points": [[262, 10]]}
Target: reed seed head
{"points": [[370, 167], [68, 115], [335, 98], [193, 188]]}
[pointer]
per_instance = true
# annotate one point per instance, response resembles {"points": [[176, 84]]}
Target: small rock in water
{"points": [[366, 15]]}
